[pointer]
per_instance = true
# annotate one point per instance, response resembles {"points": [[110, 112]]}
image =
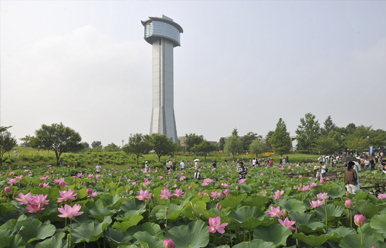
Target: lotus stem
{"points": [[360, 228], [325, 208]]}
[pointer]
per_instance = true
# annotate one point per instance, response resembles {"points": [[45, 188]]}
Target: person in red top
{"points": [[271, 162]]}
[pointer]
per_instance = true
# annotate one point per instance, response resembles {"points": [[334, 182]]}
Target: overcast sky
{"points": [[241, 64]]}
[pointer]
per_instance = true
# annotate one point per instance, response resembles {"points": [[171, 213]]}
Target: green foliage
{"points": [[308, 132], [204, 147], [191, 140], [57, 138], [96, 144], [248, 139], [162, 145], [221, 144], [280, 140], [233, 144], [7, 142], [138, 144], [258, 146]]}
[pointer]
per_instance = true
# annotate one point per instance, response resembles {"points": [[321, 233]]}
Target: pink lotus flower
{"points": [[242, 181], [213, 194], [7, 190], [190, 187], [275, 212], [381, 196], [12, 181], [134, 183], [304, 188], [70, 212], [315, 204], [165, 194], [263, 192], [227, 192], [322, 196], [300, 176], [40, 199], [278, 194], [34, 208], [24, 199], [220, 195], [215, 225], [178, 193], [168, 243], [359, 220], [313, 185], [144, 195], [348, 203], [67, 195], [288, 223], [225, 185]]}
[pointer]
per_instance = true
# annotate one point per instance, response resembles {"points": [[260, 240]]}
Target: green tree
{"points": [[357, 144], [192, 139], [138, 145], [328, 126], [26, 140], [308, 132], [268, 139], [205, 147], [233, 144], [248, 139], [85, 145], [330, 143], [235, 132], [57, 138], [281, 141], [7, 142], [258, 146], [111, 148], [378, 138], [162, 145], [221, 144], [96, 144]]}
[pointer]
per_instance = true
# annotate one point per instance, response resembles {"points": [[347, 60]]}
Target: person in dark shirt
{"points": [[242, 170], [214, 164], [372, 164], [350, 178]]}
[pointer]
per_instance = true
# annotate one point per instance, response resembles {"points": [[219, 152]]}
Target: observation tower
{"points": [[163, 34]]}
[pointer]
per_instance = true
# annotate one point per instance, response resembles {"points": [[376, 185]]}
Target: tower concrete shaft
{"points": [[164, 35]]}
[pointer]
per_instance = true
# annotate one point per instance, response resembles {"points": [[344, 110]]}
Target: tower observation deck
{"points": [[163, 34]]}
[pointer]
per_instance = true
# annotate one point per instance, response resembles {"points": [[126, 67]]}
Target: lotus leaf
{"points": [[312, 240], [306, 222], [255, 243], [274, 233], [35, 230], [194, 235]]}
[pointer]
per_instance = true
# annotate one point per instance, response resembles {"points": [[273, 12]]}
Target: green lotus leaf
{"points": [[257, 201], [245, 188], [336, 193], [367, 209], [333, 211], [148, 227], [11, 226], [223, 246], [274, 233], [174, 212], [292, 205], [354, 240], [109, 199], [378, 223], [35, 230], [132, 221], [88, 232], [339, 233], [5, 208], [232, 202], [255, 243], [194, 235], [12, 242], [306, 222], [311, 240], [127, 246], [149, 239], [116, 237], [55, 241], [100, 210], [133, 207], [195, 210], [366, 229], [249, 217], [82, 193]]}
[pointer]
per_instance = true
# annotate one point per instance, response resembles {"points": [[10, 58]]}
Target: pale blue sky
{"points": [[242, 64]]}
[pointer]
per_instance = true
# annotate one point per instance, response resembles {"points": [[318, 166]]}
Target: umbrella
{"points": [[196, 160], [348, 159]]}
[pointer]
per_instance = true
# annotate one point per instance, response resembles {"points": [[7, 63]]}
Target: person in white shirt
{"points": [[357, 168], [197, 174], [323, 169], [147, 167], [196, 163], [98, 168], [254, 162], [182, 165]]}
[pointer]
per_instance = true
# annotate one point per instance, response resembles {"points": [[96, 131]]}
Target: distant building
{"points": [[163, 34]]}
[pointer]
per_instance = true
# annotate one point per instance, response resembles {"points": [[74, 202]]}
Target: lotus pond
{"points": [[50, 207]]}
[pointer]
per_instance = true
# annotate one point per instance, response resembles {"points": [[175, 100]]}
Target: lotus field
{"points": [[48, 207]]}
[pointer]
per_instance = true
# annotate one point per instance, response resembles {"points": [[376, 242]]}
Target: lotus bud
{"points": [[285, 213], [120, 179], [74, 181], [168, 243], [218, 185], [7, 190], [237, 187], [359, 220], [40, 185], [89, 191], [348, 203], [324, 202], [347, 194], [166, 211], [62, 184], [218, 206], [190, 187], [200, 195], [127, 191]]}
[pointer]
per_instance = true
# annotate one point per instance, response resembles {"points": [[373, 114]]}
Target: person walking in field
{"points": [[98, 168], [350, 178], [182, 164], [147, 167], [15, 151]]}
